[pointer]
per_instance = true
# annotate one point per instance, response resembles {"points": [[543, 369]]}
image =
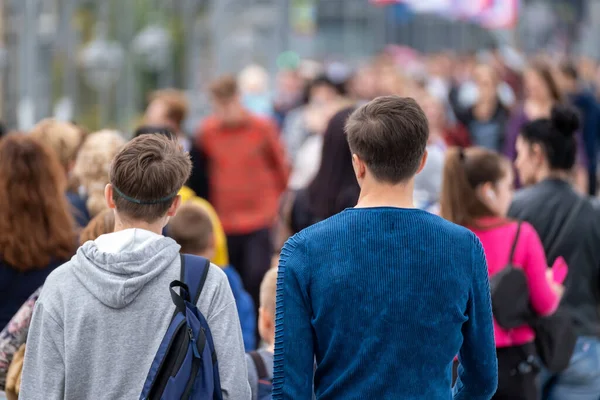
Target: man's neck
{"points": [[156, 227], [386, 195]]}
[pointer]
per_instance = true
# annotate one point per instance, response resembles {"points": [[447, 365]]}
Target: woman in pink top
{"points": [[476, 193]]}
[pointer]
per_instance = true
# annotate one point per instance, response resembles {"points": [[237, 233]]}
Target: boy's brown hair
{"points": [[176, 104], [224, 88], [268, 289], [146, 176], [191, 228]]}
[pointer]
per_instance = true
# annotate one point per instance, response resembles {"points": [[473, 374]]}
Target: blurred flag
{"points": [[502, 14], [491, 14], [472, 9]]}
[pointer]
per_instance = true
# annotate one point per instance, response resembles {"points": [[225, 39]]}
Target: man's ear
{"points": [[174, 206], [423, 161], [360, 168], [108, 196]]}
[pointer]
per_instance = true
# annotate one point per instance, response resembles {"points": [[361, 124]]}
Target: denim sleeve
{"points": [[478, 370]]}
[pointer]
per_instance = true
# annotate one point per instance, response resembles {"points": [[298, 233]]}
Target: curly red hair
{"points": [[35, 223]]}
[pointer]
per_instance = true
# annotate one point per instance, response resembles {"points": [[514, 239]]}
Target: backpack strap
{"points": [[194, 271], [261, 369], [515, 242]]}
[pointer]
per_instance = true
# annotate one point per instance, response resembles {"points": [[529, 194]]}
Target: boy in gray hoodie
{"points": [[101, 317]]}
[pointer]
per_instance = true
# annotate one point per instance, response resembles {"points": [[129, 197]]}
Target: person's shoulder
{"points": [[436, 225], [215, 276], [524, 195], [216, 291], [61, 279]]}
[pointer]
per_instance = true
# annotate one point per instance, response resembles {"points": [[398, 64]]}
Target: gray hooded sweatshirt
{"points": [[101, 317]]}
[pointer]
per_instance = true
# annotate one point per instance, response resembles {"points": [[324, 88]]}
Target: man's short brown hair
{"points": [[191, 228], [389, 134], [224, 88], [146, 176]]}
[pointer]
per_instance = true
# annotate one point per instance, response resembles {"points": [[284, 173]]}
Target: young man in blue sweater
{"points": [[383, 296]]}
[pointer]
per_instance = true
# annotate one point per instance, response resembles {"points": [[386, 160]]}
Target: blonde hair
{"points": [[63, 138], [268, 289], [93, 165]]}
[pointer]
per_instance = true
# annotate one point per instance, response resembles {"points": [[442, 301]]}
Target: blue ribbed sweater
{"points": [[383, 299]]}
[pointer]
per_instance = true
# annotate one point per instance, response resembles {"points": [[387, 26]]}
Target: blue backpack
{"points": [[265, 383], [185, 365]]}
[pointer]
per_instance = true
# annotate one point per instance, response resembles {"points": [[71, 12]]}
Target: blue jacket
{"points": [[17, 286], [245, 307]]}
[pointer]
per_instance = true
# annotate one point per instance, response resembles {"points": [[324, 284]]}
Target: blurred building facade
{"points": [[93, 61]]}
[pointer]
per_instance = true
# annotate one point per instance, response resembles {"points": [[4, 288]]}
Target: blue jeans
{"points": [[581, 380]]}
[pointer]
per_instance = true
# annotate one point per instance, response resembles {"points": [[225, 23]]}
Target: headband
{"points": [[144, 202]]}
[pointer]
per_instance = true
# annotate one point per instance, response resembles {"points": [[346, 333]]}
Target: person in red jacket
{"points": [[248, 171]]}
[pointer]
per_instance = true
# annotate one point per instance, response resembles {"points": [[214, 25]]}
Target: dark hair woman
{"points": [[333, 189], [36, 228], [568, 226], [476, 193]]}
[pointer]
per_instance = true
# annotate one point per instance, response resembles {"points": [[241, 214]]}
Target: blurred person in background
{"points": [[311, 117], [587, 68], [37, 231], [428, 182], [65, 139], [486, 119], [308, 157], [333, 189], [288, 94], [541, 94], [439, 124], [583, 99], [14, 334], [476, 194], [363, 84], [168, 110], [92, 166], [253, 82], [248, 171], [546, 154]]}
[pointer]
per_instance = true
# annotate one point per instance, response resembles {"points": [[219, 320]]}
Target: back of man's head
{"points": [[146, 176], [192, 229], [389, 134]]}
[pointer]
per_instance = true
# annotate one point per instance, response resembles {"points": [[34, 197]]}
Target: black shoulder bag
{"points": [[554, 336], [510, 293]]}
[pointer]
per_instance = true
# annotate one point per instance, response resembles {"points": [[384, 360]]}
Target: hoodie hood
{"points": [[115, 267]]}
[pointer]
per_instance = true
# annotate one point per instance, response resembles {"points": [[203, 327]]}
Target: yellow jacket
{"points": [[221, 257]]}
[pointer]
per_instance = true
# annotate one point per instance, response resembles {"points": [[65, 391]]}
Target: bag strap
{"points": [[515, 242], [261, 369], [566, 229], [194, 271]]}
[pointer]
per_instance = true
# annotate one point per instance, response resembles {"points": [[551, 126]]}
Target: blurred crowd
{"points": [[273, 159]]}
